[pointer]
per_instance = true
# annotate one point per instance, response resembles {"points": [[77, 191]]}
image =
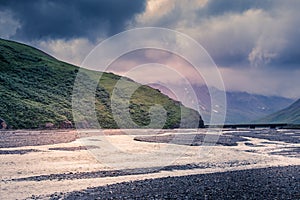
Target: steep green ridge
{"points": [[36, 89], [289, 115]]}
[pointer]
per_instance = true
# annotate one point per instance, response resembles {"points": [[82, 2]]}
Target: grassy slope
{"points": [[36, 89], [290, 115]]}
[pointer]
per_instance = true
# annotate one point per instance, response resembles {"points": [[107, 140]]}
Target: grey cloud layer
{"points": [[50, 19], [235, 32], [220, 7], [260, 33], [238, 32]]}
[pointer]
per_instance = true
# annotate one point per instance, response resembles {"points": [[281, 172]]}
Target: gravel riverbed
{"points": [[171, 164], [263, 183]]}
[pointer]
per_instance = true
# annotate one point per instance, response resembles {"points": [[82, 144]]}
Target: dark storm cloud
{"points": [[65, 19]]}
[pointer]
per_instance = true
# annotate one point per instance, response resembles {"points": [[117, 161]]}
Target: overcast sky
{"points": [[255, 43]]}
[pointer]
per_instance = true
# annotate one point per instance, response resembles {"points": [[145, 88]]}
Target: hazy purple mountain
{"points": [[242, 107]]}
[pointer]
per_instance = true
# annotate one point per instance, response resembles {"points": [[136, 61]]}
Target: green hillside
{"points": [[36, 89], [289, 115]]}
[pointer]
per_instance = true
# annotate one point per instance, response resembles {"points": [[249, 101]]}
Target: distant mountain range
{"points": [[242, 107], [290, 115], [36, 92]]}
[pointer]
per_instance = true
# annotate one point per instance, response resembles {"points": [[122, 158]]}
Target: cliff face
{"points": [[36, 92]]}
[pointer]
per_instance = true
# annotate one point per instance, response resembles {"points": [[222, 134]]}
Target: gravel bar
{"points": [[288, 136], [264, 183], [20, 138], [125, 172], [193, 139]]}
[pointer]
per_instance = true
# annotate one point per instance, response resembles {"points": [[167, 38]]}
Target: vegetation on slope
{"points": [[36, 89], [289, 115]]}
